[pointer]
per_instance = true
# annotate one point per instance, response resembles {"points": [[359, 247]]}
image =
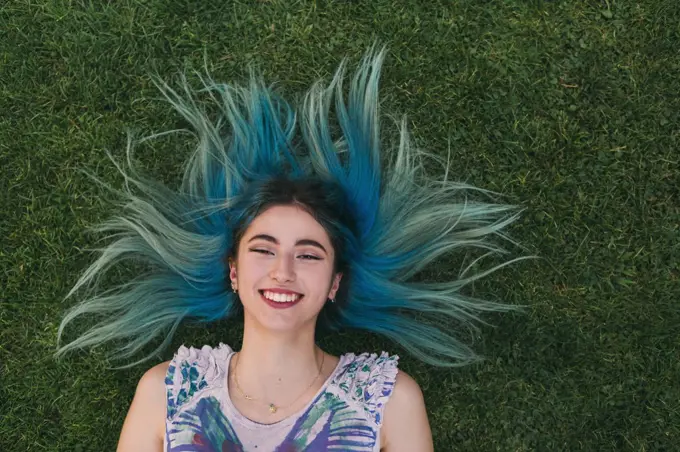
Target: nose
{"points": [[282, 269]]}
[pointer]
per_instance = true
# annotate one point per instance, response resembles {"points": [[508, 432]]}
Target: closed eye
{"points": [[310, 257], [261, 251]]}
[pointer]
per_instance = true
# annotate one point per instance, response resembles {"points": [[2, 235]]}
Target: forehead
{"points": [[287, 223]]}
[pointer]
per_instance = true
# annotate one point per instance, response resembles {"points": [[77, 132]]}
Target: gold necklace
{"points": [[274, 408]]}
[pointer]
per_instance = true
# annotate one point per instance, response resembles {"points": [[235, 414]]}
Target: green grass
{"points": [[568, 107]]}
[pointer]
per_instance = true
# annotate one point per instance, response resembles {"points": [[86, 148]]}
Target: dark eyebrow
{"points": [[271, 239]]}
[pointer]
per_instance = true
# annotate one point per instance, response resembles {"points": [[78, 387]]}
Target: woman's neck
{"points": [[272, 364]]}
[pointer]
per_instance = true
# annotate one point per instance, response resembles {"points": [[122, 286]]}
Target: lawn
{"points": [[569, 108]]}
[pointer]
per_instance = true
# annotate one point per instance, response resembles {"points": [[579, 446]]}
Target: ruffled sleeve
{"points": [[369, 380], [192, 370]]}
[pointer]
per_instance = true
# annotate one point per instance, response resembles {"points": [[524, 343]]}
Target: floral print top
{"points": [[344, 415]]}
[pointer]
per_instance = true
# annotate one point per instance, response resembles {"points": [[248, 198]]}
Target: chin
{"points": [[283, 325], [283, 322]]}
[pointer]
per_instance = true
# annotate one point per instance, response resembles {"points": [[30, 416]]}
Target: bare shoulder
{"points": [[406, 426], [144, 426], [151, 388], [405, 387], [156, 375]]}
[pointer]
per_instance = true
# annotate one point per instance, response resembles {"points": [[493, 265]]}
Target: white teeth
{"points": [[281, 298]]}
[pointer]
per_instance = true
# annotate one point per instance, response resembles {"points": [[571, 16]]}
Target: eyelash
{"points": [[307, 257]]}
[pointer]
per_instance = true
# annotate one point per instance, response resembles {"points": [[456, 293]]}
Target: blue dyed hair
{"points": [[388, 218]]}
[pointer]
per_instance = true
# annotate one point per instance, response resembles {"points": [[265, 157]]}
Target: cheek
{"points": [[248, 267], [318, 278]]}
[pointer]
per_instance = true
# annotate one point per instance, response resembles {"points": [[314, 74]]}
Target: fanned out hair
{"points": [[402, 220]]}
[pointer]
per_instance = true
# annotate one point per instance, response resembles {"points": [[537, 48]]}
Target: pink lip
{"points": [[276, 305], [283, 291]]}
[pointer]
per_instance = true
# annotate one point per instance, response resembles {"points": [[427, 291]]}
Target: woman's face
{"points": [[284, 269]]}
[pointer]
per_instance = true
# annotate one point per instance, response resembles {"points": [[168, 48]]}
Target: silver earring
{"points": [[233, 287]]}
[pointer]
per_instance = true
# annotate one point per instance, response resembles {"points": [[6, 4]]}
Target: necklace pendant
{"points": [[272, 408]]}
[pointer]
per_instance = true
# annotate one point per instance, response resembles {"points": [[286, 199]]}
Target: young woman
{"points": [[299, 236]]}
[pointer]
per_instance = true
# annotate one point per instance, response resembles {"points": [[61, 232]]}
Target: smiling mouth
{"points": [[280, 299]]}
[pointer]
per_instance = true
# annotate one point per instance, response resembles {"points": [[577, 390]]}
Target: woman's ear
{"points": [[232, 270], [335, 286]]}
